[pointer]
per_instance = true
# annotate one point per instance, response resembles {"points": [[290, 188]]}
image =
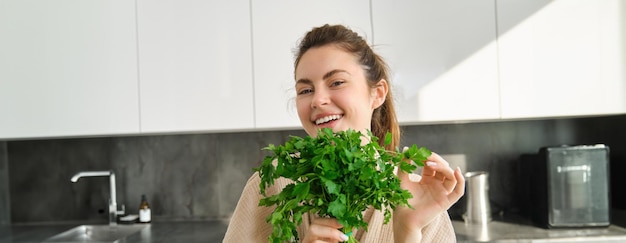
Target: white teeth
{"points": [[327, 119]]}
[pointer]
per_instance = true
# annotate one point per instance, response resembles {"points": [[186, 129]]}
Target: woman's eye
{"points": [[304, 91], [337, 83]]}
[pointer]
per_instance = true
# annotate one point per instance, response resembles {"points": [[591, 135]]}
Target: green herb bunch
{"points": [[334, 176]]}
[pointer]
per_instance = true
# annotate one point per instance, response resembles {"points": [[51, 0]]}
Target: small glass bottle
{"points": [[145, 216]]}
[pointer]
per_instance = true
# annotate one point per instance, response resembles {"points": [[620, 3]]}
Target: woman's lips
{"points": [[327, 119], [329, 124]]}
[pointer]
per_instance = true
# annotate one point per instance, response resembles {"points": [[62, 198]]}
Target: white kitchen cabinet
{"points": [[277, 28], [443, 58], [195, 65], [562, 58], [67, 68]]}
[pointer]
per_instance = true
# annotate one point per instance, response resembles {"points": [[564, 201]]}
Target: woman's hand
{"points": [[439, 188], [324, 230]]}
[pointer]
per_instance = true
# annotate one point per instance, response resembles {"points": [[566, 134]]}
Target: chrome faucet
{"points": [[113, 212]]}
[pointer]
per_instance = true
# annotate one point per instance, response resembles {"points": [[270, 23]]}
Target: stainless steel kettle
{"points": [[477, 193]]}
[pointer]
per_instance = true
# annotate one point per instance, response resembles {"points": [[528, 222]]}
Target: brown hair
{"points": [[384, 117]]}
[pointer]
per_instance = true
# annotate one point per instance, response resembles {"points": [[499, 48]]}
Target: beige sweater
{"points": [[248, 221]]}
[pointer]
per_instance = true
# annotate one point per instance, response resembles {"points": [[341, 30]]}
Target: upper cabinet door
{"points": [[277, 28], [443, 58], [67, 68], [195, 65], [562, 58]]}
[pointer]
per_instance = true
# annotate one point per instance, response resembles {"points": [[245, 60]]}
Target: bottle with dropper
{"points": [[145, 216]]}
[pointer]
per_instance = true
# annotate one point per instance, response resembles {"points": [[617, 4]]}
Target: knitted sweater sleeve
{"points": [[247, 223], [440, 230]]}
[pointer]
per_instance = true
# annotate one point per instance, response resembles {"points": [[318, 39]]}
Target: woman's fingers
{"points": [[437, 172], [324, 230], [459, 188], [437, 158], [450, 184], [453, 181], [440, 170], [437, 169]]}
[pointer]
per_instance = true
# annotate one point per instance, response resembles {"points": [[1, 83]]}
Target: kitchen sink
{"points": [[96, 233]]}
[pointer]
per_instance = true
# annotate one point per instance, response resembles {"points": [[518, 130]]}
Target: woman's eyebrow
{"points": [[333, 72], [304, 81], [326, 76]]}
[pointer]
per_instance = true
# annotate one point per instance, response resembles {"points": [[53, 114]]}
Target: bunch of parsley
{"points": [[334, 176]]}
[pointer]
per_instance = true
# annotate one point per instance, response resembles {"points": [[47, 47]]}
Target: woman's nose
{"points": [[320, 98]]}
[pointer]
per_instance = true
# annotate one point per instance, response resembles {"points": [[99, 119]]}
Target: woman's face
{"points": [[331, 91]]}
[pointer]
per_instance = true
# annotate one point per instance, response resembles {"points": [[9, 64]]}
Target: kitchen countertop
{"points": [[509, 229], [498, 231], [518, 229], [174, 231]]}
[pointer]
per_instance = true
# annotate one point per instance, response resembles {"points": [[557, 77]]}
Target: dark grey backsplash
{"points": [[200, 176], [4, 186]]}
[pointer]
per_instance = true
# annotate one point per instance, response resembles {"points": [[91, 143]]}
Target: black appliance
{"points": [[569, 186]]}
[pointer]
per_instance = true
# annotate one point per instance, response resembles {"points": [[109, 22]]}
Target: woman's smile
{"points": [[329, 121]]}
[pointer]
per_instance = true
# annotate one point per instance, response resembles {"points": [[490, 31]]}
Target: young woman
{"points": [[341, 83]]}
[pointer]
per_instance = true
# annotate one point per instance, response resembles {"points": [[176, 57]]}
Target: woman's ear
{"points": [[379, 93]]}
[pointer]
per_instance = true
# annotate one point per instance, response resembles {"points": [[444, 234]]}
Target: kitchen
{"points": [[150, 124]]}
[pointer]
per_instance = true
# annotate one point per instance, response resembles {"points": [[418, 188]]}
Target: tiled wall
{"points": [[184, 176], [201, 176]]}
